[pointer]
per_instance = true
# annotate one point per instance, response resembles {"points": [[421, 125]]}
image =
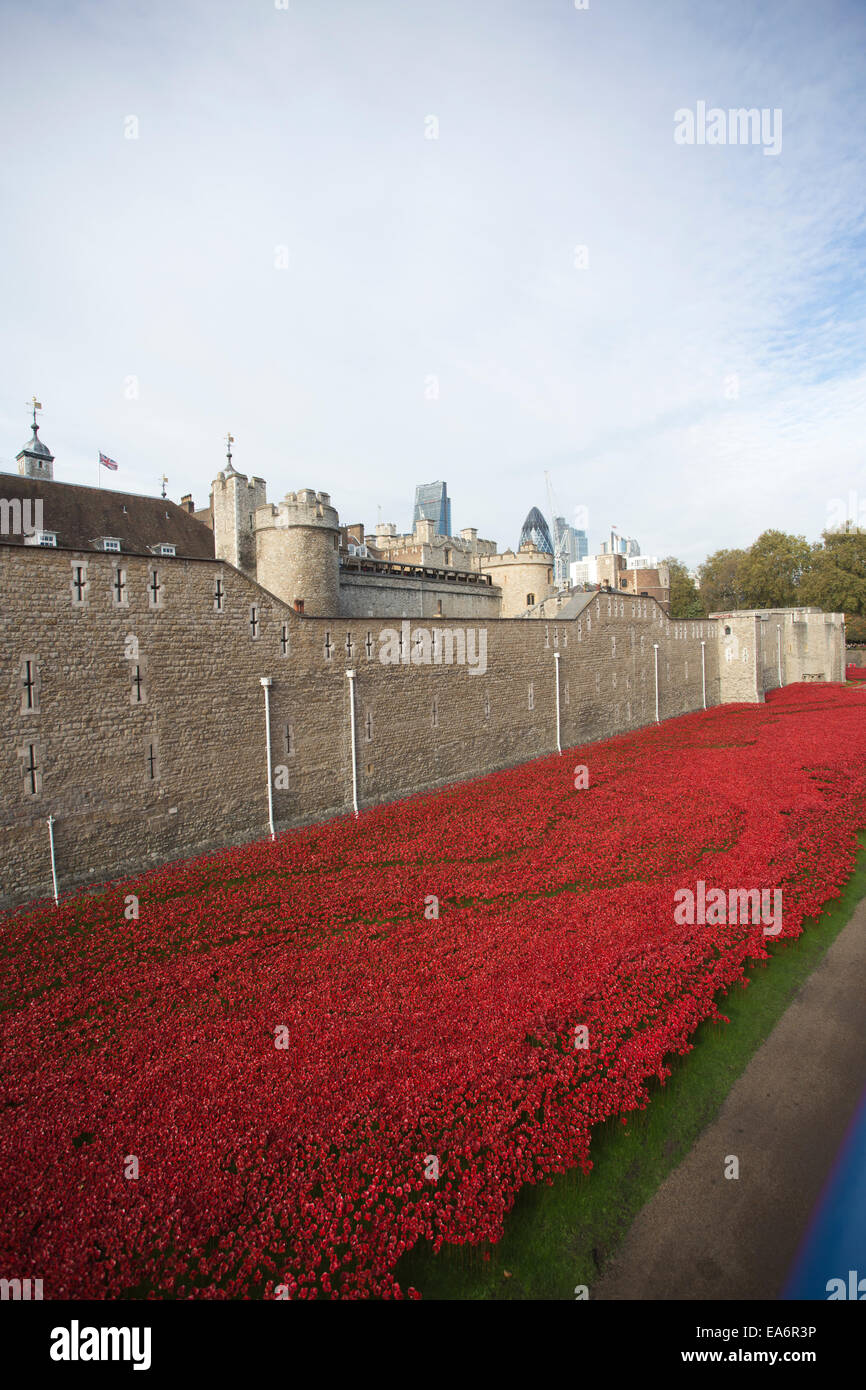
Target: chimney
{"points": [[187, 503]]}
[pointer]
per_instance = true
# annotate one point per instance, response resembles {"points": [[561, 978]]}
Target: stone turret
{"points": [[35, 460], [298, 552], [235, 499]]}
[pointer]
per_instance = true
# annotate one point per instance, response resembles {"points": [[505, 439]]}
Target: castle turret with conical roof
{"points": [[35, 460]]}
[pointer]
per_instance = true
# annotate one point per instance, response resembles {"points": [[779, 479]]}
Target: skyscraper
{"points": [[432, 503]]}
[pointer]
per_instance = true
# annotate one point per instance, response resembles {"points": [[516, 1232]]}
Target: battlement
{"points": [[302, 508]]}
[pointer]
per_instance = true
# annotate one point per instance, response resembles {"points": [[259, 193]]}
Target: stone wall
{"points": [[397, 597], [133, 710]]}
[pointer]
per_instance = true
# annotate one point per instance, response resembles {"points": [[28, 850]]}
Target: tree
{"points": [[721, 581], [773, 570], [685, 600], [836, 580]]}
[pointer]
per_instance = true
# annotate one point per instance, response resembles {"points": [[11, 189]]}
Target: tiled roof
{"points": [[81, 517]]}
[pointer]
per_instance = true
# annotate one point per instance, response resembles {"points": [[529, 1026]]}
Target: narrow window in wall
{"points": [[613, 682], [613, 644], [435, 714], [119, 594], [487, 704], [598, 682], [151, 760], [30, 682], [219, 595], [530, 600], [368, 645], [138, 693], [566, 694], [565, 636], [349, 646], [687, 670], [588, 624], [288, 740], [546, 635], [79, 585], [154, 590], [531, 702], [284, 639], [580, 630], [254, 620], [30, 767], [438, 608], [368, 727], [556, 636], [328, 648]]}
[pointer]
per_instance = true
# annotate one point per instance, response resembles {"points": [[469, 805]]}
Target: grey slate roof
{"points": [[82, 516]]}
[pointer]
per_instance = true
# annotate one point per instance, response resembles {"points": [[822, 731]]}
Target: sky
{"points": [[385, 242]]}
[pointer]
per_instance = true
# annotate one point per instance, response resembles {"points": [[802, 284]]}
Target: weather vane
{"points": [[36, 405], [230, 439], [163, 480]]}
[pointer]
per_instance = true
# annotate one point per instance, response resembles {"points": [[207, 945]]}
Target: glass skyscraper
{"points": [[432, 503]]}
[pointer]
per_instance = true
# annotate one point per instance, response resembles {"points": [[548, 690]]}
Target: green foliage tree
{"points": [[836, 580], [721, 581], [773, 570], [685, 600]]}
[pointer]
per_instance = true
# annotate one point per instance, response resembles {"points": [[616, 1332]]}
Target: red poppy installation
{"points": [[303, 1056]]}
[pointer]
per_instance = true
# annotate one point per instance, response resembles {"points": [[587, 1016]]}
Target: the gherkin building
{"points": [[536, 529]]}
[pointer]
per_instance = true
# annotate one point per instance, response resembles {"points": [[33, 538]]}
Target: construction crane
{"points": [[560, 538]]}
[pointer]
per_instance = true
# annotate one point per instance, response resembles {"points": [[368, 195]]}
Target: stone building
{"points": [[134, 710]]}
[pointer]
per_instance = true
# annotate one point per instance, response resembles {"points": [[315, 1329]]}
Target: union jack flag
{"points": [[107, 462]]}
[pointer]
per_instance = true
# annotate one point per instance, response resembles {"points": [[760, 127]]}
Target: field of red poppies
{"points": [[310, 1070]]}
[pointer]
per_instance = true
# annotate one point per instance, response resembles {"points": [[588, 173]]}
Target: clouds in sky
{"points": [[699, 379]]}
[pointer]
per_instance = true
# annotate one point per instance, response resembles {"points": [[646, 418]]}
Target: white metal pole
{"points": [[704, 671], [51, 846], [556, 656], [779, 637], [656, 653], [351, 675], [266, 684]]}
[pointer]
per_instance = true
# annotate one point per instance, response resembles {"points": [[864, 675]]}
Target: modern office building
{"points": [[432, 503], [536, 531]]}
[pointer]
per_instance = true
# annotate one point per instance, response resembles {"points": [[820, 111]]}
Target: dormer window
{"points": [[165, 550], [110, 543], [46, 538]]}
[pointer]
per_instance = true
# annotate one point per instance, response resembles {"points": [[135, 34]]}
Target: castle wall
{"points": [[201, 715], [362, 595], [812, 648]]}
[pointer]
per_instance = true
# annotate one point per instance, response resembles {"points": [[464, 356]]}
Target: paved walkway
{"points": [[703, 1236]]}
